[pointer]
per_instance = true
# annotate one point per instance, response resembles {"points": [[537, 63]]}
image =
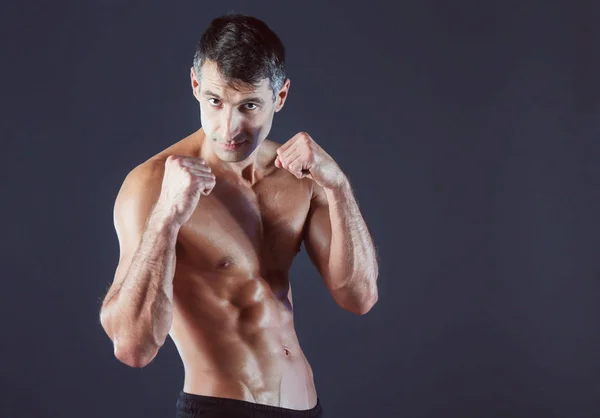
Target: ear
{"points": [[282, 95], [195, 83]]}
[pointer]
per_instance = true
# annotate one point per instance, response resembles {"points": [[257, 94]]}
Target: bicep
{"points": [[132, 207]]}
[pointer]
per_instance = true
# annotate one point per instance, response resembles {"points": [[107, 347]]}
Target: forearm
{"points": [[137, 315], [353, 266]]}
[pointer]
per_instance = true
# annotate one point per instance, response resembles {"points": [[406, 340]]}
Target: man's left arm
{"points": [[336, 237]]}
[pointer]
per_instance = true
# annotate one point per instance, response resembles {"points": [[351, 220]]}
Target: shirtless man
{"points": [[208, 229]]}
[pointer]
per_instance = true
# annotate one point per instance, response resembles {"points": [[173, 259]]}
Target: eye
{"points": [[214, 102], [250, 106]]}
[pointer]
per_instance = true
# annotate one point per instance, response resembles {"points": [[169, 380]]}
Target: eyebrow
{"points": [[253, 99]]}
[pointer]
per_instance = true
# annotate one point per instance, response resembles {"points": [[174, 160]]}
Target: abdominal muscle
{"points": [[236, 339]]}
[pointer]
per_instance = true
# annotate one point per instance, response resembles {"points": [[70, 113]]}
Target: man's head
{"points": [[239, 79]]}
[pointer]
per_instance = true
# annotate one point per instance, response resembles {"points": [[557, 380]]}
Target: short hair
{"points": [[245, 50]]}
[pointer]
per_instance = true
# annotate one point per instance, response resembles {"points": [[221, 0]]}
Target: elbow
{"points": [[372, 301], [372, 294], [365, 305], [135, 354], [134, 349], [358, 303], [369, 296]]}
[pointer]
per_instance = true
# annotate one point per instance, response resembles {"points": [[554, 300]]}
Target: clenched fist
{"points": [[184, 180], [303, 157]]}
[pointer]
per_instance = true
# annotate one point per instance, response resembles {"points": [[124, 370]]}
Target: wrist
{"points": [[340, 191], [164, 220]]}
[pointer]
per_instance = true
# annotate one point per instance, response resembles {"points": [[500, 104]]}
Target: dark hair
{"points": [[245, 50]]}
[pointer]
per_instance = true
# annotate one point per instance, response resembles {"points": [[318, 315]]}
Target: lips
{"points": [[231, 147]]}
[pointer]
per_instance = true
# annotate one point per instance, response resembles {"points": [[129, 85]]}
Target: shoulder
{"points": [[138, 194], [146, 177], [141, 189]]}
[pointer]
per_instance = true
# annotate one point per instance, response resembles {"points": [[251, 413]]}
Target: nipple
{"points": [[225, 262]]}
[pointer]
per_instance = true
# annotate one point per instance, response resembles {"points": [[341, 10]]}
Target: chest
{"points": [[253, 229]]}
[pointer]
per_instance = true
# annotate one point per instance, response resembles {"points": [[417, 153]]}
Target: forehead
{"points": [[212, 80]]}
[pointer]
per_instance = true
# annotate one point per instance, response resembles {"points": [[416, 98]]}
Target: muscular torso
{"points": [[233, 319]]}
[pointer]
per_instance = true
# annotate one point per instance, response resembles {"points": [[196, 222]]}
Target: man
{"points": [[208, 230]]}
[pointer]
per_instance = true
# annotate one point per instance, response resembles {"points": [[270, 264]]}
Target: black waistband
{"points": [[197, 404]]}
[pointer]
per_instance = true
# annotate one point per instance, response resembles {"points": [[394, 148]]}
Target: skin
{"points": [[207, 238]]}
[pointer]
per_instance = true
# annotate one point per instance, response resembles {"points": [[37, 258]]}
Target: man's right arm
{"points": [[137, 310]]}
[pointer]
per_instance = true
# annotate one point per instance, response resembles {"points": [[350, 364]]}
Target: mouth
{"points": [[232, 147]]}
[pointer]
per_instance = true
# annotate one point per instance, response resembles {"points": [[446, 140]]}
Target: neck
{"points": [[242, 170]]}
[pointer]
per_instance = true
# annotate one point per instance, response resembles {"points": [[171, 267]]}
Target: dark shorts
{"points": [[192, 406]]}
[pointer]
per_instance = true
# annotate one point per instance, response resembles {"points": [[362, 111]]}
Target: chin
{"points": [[232, 157], [235, 156]]}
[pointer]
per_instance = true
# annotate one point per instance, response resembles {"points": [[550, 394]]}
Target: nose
{"points": [[230, 125]]}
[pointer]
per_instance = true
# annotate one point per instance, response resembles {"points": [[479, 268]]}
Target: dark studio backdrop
{"points": [[470, 132]]}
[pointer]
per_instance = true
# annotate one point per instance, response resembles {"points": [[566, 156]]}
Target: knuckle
{"points": [[170, 161]]}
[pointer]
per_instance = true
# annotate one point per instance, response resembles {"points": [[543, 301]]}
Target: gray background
{"points": [[469, 130]]}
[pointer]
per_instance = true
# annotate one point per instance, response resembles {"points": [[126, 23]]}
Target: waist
{"points": [[285, 381], [191, 404]]}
